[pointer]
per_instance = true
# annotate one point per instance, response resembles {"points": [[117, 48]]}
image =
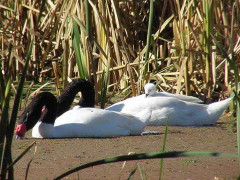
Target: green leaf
{"points": [[80, 57], [21, 155], [154, 155]]}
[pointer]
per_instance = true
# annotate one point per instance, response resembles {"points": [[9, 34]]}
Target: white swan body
{"points": [[91, 122], [178, 112]]}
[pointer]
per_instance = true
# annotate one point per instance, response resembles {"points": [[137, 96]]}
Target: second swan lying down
{"points": [[178, 112], [78, 122], [150, 91]]}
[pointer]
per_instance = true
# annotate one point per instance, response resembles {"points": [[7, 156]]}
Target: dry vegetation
{"points": [[112, 43]]}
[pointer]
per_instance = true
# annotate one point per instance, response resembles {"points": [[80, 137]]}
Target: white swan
{"points": [[178, 112], [150, 90], [78, 122]]}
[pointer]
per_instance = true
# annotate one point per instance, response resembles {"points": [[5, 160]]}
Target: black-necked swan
{"points": [[178, 112], [78, 122], [78, 85]]}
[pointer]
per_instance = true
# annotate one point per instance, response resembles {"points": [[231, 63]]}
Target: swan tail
{"points": [[215, 110]]}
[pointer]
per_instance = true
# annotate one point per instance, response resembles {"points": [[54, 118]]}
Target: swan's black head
{"points": [[78, 85], [43, 108]]}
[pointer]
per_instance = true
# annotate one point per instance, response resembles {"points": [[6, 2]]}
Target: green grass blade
{"points": [[5, 101], [236, 78], [80, 58], [29, 163], [21, 155], [7, 78], [65, 64], [19, 94], [13, 119], [104, 84], [154, 155], [149, 35], [88, 19], [163, 148], [238, 128], [2, 86], [4, 118], [132, 173]]}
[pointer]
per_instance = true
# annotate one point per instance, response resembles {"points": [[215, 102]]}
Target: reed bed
{"points": [[188, 47], [120, 44]]}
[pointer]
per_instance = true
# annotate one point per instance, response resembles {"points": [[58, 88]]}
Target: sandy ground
{"points": [[55, 156]]}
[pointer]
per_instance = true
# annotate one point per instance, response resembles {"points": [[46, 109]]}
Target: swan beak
{"points": [[19, 137]]}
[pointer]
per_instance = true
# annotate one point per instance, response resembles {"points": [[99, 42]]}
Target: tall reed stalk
{"points": [[207, 30], [10, 127], [231, 59], [7, 75], [149, 37]]}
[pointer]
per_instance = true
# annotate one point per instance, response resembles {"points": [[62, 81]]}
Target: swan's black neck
{"points": [[56, 107], [69, 93], [33, 112]]}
